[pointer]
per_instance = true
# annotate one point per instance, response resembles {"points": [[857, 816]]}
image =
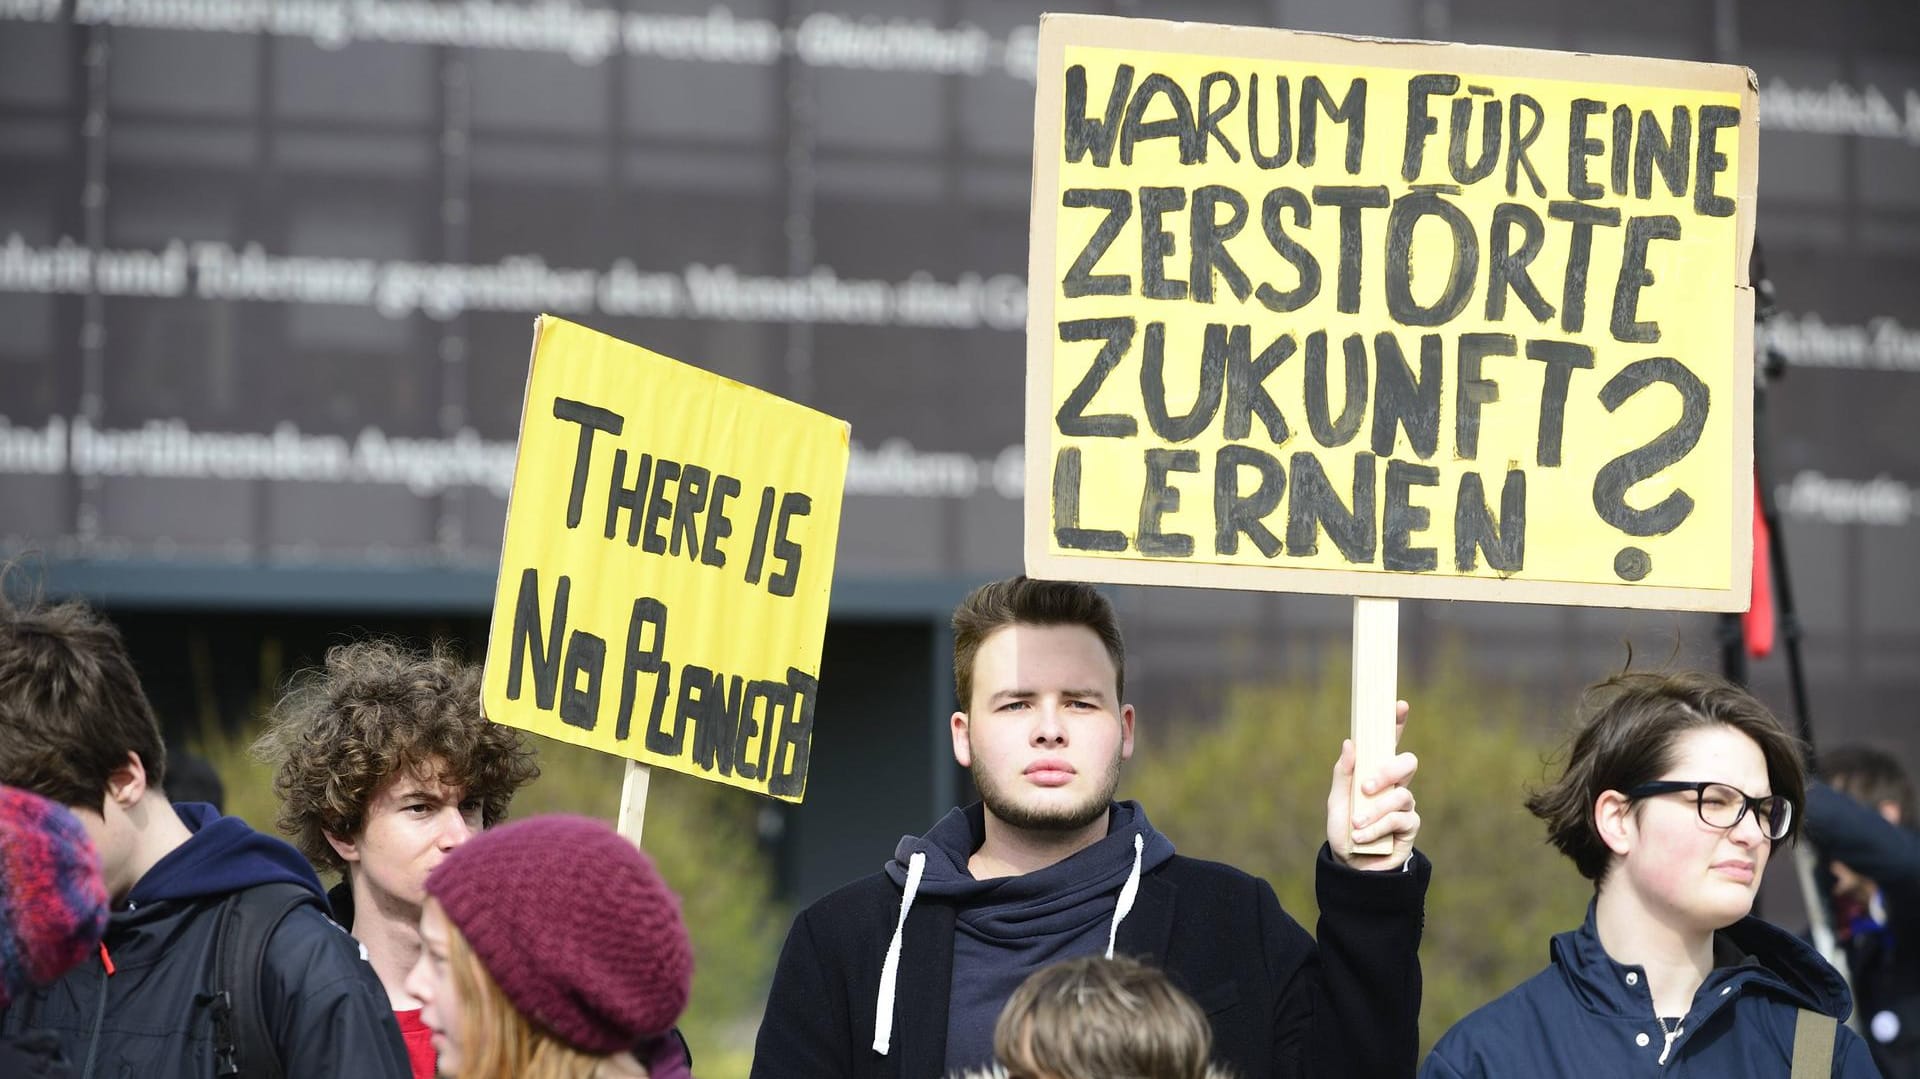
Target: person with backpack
{"points": [[552, 949], [219, 958], [1676, 792], [384, 764]]}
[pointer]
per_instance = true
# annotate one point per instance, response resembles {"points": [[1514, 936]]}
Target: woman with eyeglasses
{"points": [[1677, 790]]}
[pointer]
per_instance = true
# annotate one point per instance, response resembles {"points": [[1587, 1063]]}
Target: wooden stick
{"points": [[633, 801], [1376, 661]]}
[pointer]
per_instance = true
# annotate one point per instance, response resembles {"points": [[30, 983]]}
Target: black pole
{"points": [[1769, 365]]}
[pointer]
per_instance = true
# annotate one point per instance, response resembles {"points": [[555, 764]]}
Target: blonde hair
{"points": [[496, 1041], [1097, 1018]]}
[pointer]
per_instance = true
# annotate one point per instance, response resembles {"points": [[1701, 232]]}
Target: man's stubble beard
{"points": [[1045, 819]]}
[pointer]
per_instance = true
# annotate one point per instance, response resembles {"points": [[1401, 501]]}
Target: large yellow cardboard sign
{"points": [[1321, 314], [669, 551]]}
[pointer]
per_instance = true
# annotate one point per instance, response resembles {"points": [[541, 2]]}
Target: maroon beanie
{"points": [[53, 906], [576, 927]]}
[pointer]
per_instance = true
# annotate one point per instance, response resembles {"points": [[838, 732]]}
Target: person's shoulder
{"points": [[1183, 870], [309, 948], [859, 892], [1220, 890], [1852, 1059], [1512, 1014], [855, 904]]}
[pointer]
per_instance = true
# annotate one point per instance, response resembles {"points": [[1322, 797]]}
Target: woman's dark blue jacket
{"points": [[1586, 1015]]}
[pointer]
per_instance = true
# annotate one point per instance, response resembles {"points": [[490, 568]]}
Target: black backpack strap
{"points": [[243, 1044]]}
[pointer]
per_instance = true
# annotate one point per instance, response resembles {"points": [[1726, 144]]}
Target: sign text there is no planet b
{"points": [[669, 552]]}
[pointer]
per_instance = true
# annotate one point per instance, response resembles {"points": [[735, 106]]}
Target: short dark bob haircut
{"points": [[1629, 727]]}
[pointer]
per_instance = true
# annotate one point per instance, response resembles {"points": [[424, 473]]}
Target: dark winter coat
{"points": [[151, 1018], [1278, 1005], [1586, 1015], [1884, 960]]}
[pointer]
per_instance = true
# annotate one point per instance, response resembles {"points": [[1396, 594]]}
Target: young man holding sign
{"points": [[1048, 867]]}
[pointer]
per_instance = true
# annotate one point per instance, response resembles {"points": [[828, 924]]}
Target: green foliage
{"points": [[1251, 789], [701, 834]]}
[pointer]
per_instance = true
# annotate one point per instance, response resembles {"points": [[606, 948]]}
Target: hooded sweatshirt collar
{"points": [[1020, 912], [1749, 954], [1060, 898], [952, 840], [224, 855]]}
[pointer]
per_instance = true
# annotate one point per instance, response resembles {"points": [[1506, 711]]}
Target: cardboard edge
{"points": [[1043, 225], [540, 324], [1748, 200], [1254, 42], [1744, 476], [1387, 585]]}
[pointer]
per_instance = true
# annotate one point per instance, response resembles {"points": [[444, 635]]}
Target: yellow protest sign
{"points": [[669, 551], [1323, 314]]}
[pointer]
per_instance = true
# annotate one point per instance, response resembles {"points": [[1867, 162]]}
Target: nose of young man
{"points": [[454, 829], [1049, 726]]}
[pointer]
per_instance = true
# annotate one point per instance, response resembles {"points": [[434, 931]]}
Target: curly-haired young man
{"points": [[158, 1000], [384, 764]]}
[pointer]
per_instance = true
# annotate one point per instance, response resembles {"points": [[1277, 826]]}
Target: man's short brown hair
{"points": [[375, 710], [1027, 602], [1632, 722], [1098, 1018], [71, 706]]}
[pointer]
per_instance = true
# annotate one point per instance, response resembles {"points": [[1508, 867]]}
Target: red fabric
{"points": [[419, 1039], [1758, 623]]}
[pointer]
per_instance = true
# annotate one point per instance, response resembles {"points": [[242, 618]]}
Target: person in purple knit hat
{"points": [[551, 949]]}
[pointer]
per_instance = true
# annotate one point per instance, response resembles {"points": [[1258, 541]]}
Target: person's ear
{"points": [[1613, 819], [962, 751], [127, 784], [1126, 732], [347, 849]]}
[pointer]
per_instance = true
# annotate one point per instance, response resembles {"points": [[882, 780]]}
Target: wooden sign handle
{"points": [[1376, 661], [633, 801]]}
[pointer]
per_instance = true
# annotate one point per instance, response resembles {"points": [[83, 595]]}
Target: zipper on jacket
{"points": [[99, 1013]]}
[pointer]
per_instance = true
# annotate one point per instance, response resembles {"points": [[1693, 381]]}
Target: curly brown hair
{"points": [[375, 710]]}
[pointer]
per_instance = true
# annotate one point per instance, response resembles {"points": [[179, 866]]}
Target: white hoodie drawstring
{"points": [[1127, 891], [890, 970]]}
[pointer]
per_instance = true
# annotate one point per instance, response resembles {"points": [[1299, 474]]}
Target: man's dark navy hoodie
{"points": [[145, 1007], [1009, 927]]}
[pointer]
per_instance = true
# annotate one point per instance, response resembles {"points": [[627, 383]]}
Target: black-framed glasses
{"points": [[1723, 806]]}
